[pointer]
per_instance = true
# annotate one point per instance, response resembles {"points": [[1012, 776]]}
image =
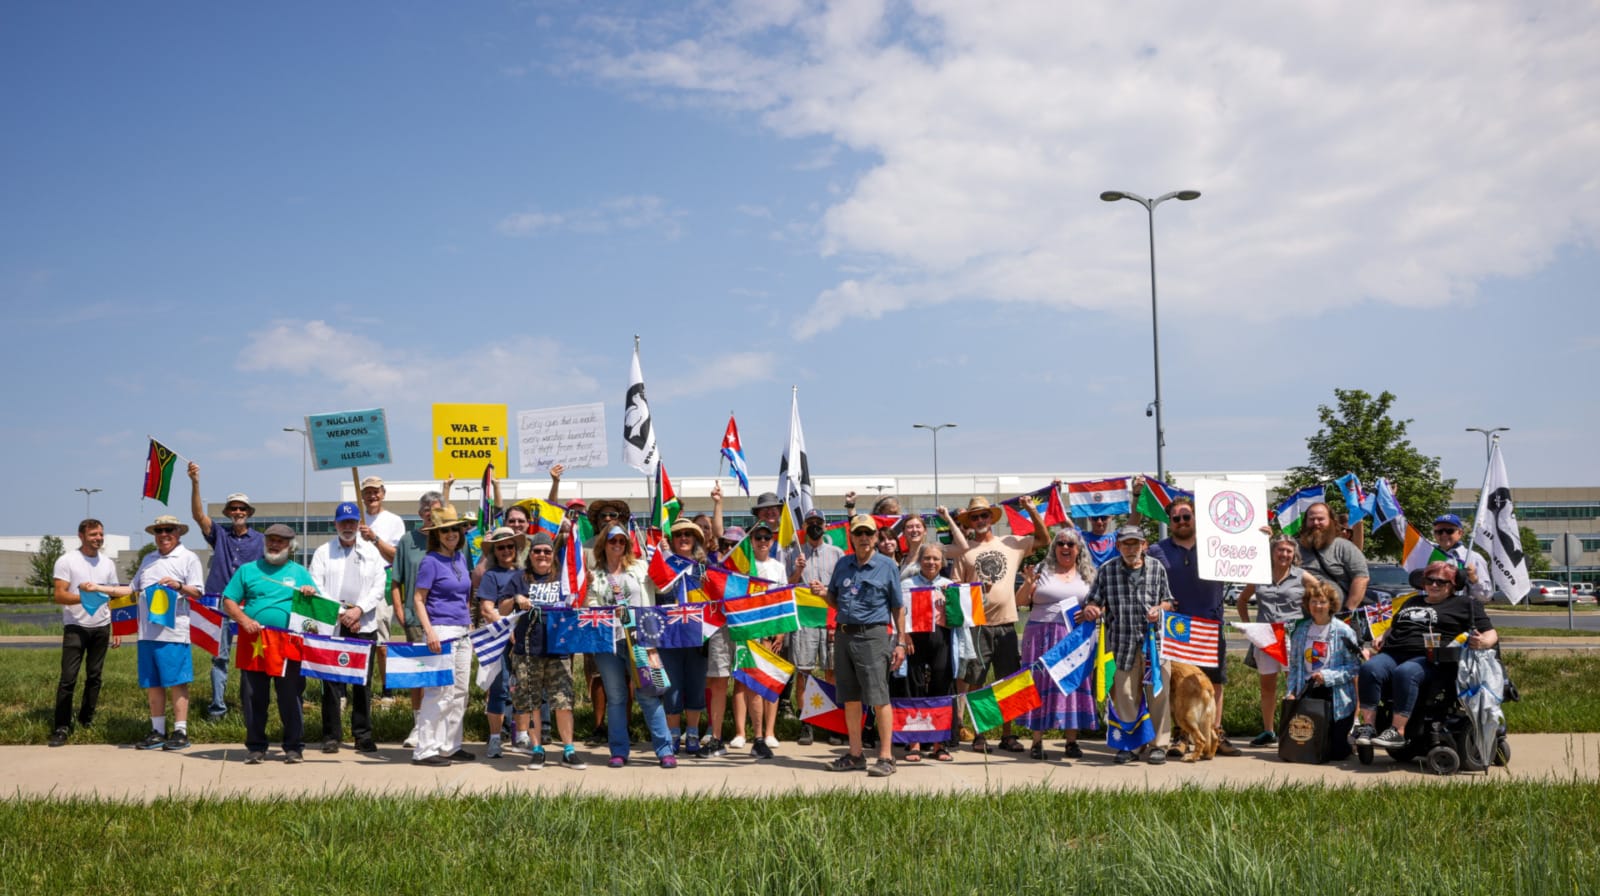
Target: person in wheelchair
{"points": [[1414, 647]]}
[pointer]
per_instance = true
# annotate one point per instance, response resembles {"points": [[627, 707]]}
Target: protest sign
{"points": [[467, 436], [1228, 520], [573, 436], [349, 439]]}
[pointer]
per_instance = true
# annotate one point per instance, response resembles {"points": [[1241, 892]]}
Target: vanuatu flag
{"points": [[158, 466], [1003, 701], [664, 512]]}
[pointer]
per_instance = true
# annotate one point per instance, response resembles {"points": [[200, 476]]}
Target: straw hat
{"points": [[166, 519], [447, 518], [604, 505], [503, 535], [978, 506]]}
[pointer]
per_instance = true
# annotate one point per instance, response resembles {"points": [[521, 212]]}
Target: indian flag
{"points": [[1418, 552], [963, 605], [811, 608], [1291, 513], [314, 613], [1002, 701]]}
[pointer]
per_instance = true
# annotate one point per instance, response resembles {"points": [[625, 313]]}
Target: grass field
{"points": [[1484, 838], [1558, 696]]}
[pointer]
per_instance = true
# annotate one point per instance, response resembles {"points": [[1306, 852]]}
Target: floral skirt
{"points": [[1073, 711]]}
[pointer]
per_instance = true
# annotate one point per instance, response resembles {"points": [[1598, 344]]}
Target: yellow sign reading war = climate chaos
{"points": [[468, 436]]}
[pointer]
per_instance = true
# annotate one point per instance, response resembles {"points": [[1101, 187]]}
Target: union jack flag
{"points": [[679, 614], [604, 616]]}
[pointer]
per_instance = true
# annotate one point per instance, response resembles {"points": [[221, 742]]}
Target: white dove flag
{"points": [[638, 431], [794, 471], [1495, 530]]}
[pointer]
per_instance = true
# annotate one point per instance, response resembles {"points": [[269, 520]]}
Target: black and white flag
{"points": [[638, 431], [794, 471], [1495, 530]]}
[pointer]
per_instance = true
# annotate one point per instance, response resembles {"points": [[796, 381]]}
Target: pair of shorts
{"points": [[1266, 665], [861, 665], [1218, 674], [719, 654], [997, 646], [384, 618], [542, 679], [164, 664], [809, 648], [415, 633]]}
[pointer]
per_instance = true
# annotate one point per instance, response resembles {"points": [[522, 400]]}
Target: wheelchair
{"points": [[1439, 731]]}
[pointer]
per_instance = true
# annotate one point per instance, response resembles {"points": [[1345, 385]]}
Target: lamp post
{"points": [[305, 513], [1155, 329], [1488, 438], [934, 428], [88, 495]]}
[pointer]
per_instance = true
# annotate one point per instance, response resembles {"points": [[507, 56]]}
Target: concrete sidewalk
{"points": [[124, 773]]}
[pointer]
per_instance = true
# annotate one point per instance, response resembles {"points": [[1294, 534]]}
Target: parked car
{"points": [[1548, 591], [1584, 589], [1388, 581]]}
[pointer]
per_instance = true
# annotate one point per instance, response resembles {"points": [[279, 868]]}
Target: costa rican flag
{"points": [[1099, 497], [334, 659], [1189, 640]]}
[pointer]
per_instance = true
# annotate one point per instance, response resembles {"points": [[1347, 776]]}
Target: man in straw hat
{"points": [[350, 571], [995, 560], [164, 658], [232, 546]]}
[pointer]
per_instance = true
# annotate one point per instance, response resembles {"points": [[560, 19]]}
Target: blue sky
{"points": [[218, 220]]}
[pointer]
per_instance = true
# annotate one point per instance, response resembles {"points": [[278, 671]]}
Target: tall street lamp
{"points": [[1488, 438], [305, 513], [1155, 329], [934, 428], [88, 495]]}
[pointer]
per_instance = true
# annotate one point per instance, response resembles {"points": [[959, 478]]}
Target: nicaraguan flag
{"points": [[414, 666]]}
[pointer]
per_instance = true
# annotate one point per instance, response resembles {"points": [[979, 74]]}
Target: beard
{"points": [[278, 558], [1317, 539]]}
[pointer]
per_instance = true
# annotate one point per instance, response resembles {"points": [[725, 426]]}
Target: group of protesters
{"points": [[419, 586]]}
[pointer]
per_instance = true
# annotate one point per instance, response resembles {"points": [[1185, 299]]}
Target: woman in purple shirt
{"points": [[444, 585]]}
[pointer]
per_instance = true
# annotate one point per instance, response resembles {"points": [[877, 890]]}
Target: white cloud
{"points": [[1397, 152], [615, 214], [716, 374]]}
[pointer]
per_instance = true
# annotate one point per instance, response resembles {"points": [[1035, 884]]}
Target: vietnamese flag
{"points": [[268, 650]]}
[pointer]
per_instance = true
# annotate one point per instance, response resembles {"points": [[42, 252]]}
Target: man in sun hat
{"points": [[164, 657], [262, 594], [995, 560], [350, 571], [232, 546]]}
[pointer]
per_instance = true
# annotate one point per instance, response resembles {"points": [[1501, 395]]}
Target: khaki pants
{"points": [[1126, 686]]}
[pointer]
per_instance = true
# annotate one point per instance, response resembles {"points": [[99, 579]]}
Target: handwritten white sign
{"points": [[1228, 520], [573, 436]]}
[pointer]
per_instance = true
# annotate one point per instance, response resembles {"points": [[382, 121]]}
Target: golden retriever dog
{"points": [[1192, 703]]}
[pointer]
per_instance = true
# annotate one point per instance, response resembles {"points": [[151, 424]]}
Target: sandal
{"points": [[942, 755], [1073, 750], [1036, 751], [1011, 744], [913, 756]]}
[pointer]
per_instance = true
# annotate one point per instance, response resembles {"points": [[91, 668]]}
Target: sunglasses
{"points": [[864, 533], [610, 515], [761, 538], [1183, 519], [1446, 530], [504, 547], [1437, 581], [237, 509], [542, 552], [164, 530]]}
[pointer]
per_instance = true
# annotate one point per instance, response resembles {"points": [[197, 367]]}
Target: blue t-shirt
{"points": [[229, 552], [865, 593], [448, 582], [528, 639], [1101, 547], [1191, 595]]}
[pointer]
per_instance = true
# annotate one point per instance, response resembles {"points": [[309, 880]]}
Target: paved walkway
{"points": [[123, 773]]}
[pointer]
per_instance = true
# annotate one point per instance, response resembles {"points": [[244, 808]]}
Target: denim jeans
{"points": [[614, 672], [219, 670], [495, 698], [686, 674], [1402, 679], [78, 644]]}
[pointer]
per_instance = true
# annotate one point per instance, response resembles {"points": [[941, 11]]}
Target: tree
{"points": [[43, 572], [1538, 563], [1360, 437], [136, 560]]}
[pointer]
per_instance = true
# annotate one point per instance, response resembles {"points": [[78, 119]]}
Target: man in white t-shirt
{"points": [[85, 635], [164, 658]]}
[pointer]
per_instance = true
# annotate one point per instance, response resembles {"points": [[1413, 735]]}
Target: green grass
{"points": [[1513, 631], [1557, 696], [1499, 837]]}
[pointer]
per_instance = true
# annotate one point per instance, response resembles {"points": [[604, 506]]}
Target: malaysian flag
{"points": [[1186, 639]]}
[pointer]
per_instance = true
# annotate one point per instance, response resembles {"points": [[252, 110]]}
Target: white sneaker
{"points": [[738, 743], [523, 742], [494, 751], [411, 740], [771, 741]]}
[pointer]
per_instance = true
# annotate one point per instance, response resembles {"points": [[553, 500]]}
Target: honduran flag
{"points": [[922, 600], [1071, 661], [1099, 497], [415, 666], [125, 615], [1047, 499], [762, 671], [1269, 636], [1291, 512], [761, 615], [340, 660], [1187, 639], [205, 627], [963, 605], [819, 706], [923, 720]]}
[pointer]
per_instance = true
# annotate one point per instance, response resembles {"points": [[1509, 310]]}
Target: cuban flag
{"points": [[1099, 497], [733, 450]]}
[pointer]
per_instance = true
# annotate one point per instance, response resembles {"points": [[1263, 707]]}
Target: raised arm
{"points": [[197, 509]]}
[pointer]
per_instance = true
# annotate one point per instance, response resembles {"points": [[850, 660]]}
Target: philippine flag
{"points": [[1099, 497]]}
